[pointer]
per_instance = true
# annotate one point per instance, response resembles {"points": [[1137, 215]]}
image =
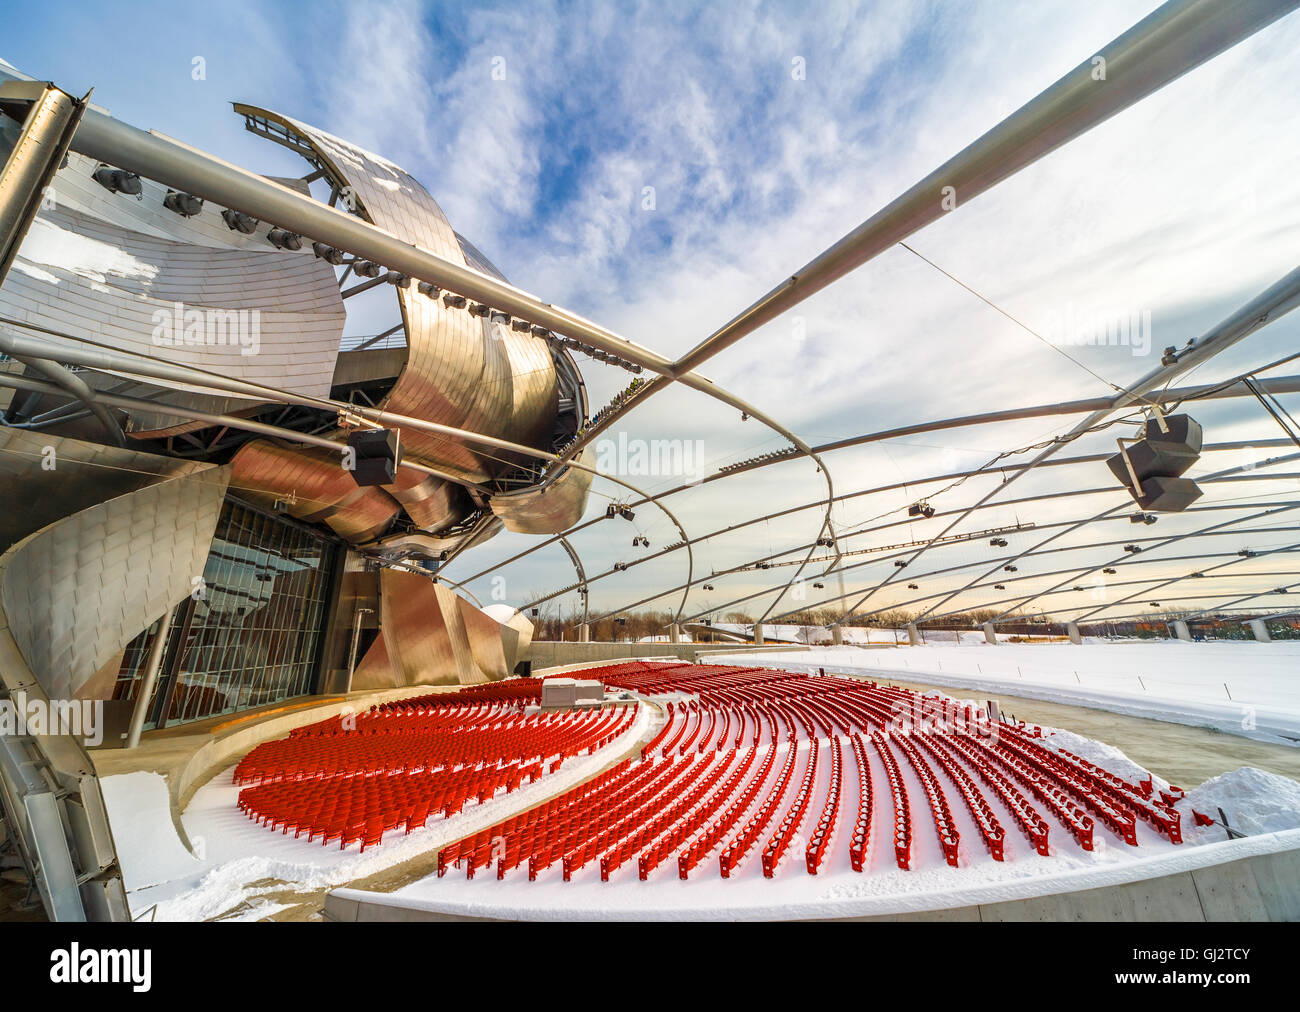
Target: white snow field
{"points": [[1246, 688]]}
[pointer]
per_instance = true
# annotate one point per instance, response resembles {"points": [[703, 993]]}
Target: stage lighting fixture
{"points": [[238, 221], [324, 251], [118, 181], [284, 239], [185, 204]]}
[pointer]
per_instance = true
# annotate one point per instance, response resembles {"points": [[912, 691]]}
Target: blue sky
{"points": [[1184, 206]]}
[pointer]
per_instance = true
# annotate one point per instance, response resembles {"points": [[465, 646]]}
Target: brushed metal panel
{"points": [[82, 475], [83, 276], [432, 636], [375, 669], [315, 486], [461, 370], [76, 592], [555, 507], [483, 634]]}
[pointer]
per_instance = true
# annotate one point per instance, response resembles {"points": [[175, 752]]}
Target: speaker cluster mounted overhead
{"points": [[1152, 467], [377, 453]]}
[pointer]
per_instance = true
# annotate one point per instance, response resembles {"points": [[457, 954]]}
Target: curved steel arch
{"points": [[1052, 495]]}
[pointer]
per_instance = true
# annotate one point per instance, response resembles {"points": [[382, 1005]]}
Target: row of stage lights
{"points": [[187, 205], [771, 455]]}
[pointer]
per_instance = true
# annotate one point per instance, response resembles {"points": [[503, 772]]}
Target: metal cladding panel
{"points": [[461, 370], [76, 592], [423, 646], [517, 639], [556, 507], [375, 669], [255, 314], [432, 636], [486, 646], [431, 503], [47, 478], [314, 486]]}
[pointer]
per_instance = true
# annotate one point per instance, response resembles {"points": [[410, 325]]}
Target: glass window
{"points": [[256, 630]]}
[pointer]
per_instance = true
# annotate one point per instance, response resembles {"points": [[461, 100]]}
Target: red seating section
{"points": [[354, 778], [751, 759], [748, 765]]}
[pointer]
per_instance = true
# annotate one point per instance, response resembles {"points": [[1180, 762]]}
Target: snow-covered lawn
{"points": [[1251, 689]]}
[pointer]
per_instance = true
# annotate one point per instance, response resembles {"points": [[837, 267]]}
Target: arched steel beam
{"points": [[1160, 48], [747, 566], [1191, 597], [1285, 384], [1269, 306], [1235, 561], [1161, 543], [582, 576], [1068, 527], [953, 569], [1014, 579]]}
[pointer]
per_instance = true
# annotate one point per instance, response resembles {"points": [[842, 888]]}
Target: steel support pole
{"points": [[151, 665]]}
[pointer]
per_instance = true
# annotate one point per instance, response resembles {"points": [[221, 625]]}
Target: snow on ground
{"points": [[231, 852], [1250, 689], [1254, 801]]}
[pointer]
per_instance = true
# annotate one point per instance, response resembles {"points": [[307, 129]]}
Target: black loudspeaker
{"points": [[377, 454], [1168, 495], [1159, 459]]}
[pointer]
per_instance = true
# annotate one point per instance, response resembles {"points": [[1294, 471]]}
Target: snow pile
{"points": [[1253, 800], [148, 849]]}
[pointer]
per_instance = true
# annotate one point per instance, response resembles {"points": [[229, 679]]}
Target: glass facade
{"points": [[252, 633]]}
